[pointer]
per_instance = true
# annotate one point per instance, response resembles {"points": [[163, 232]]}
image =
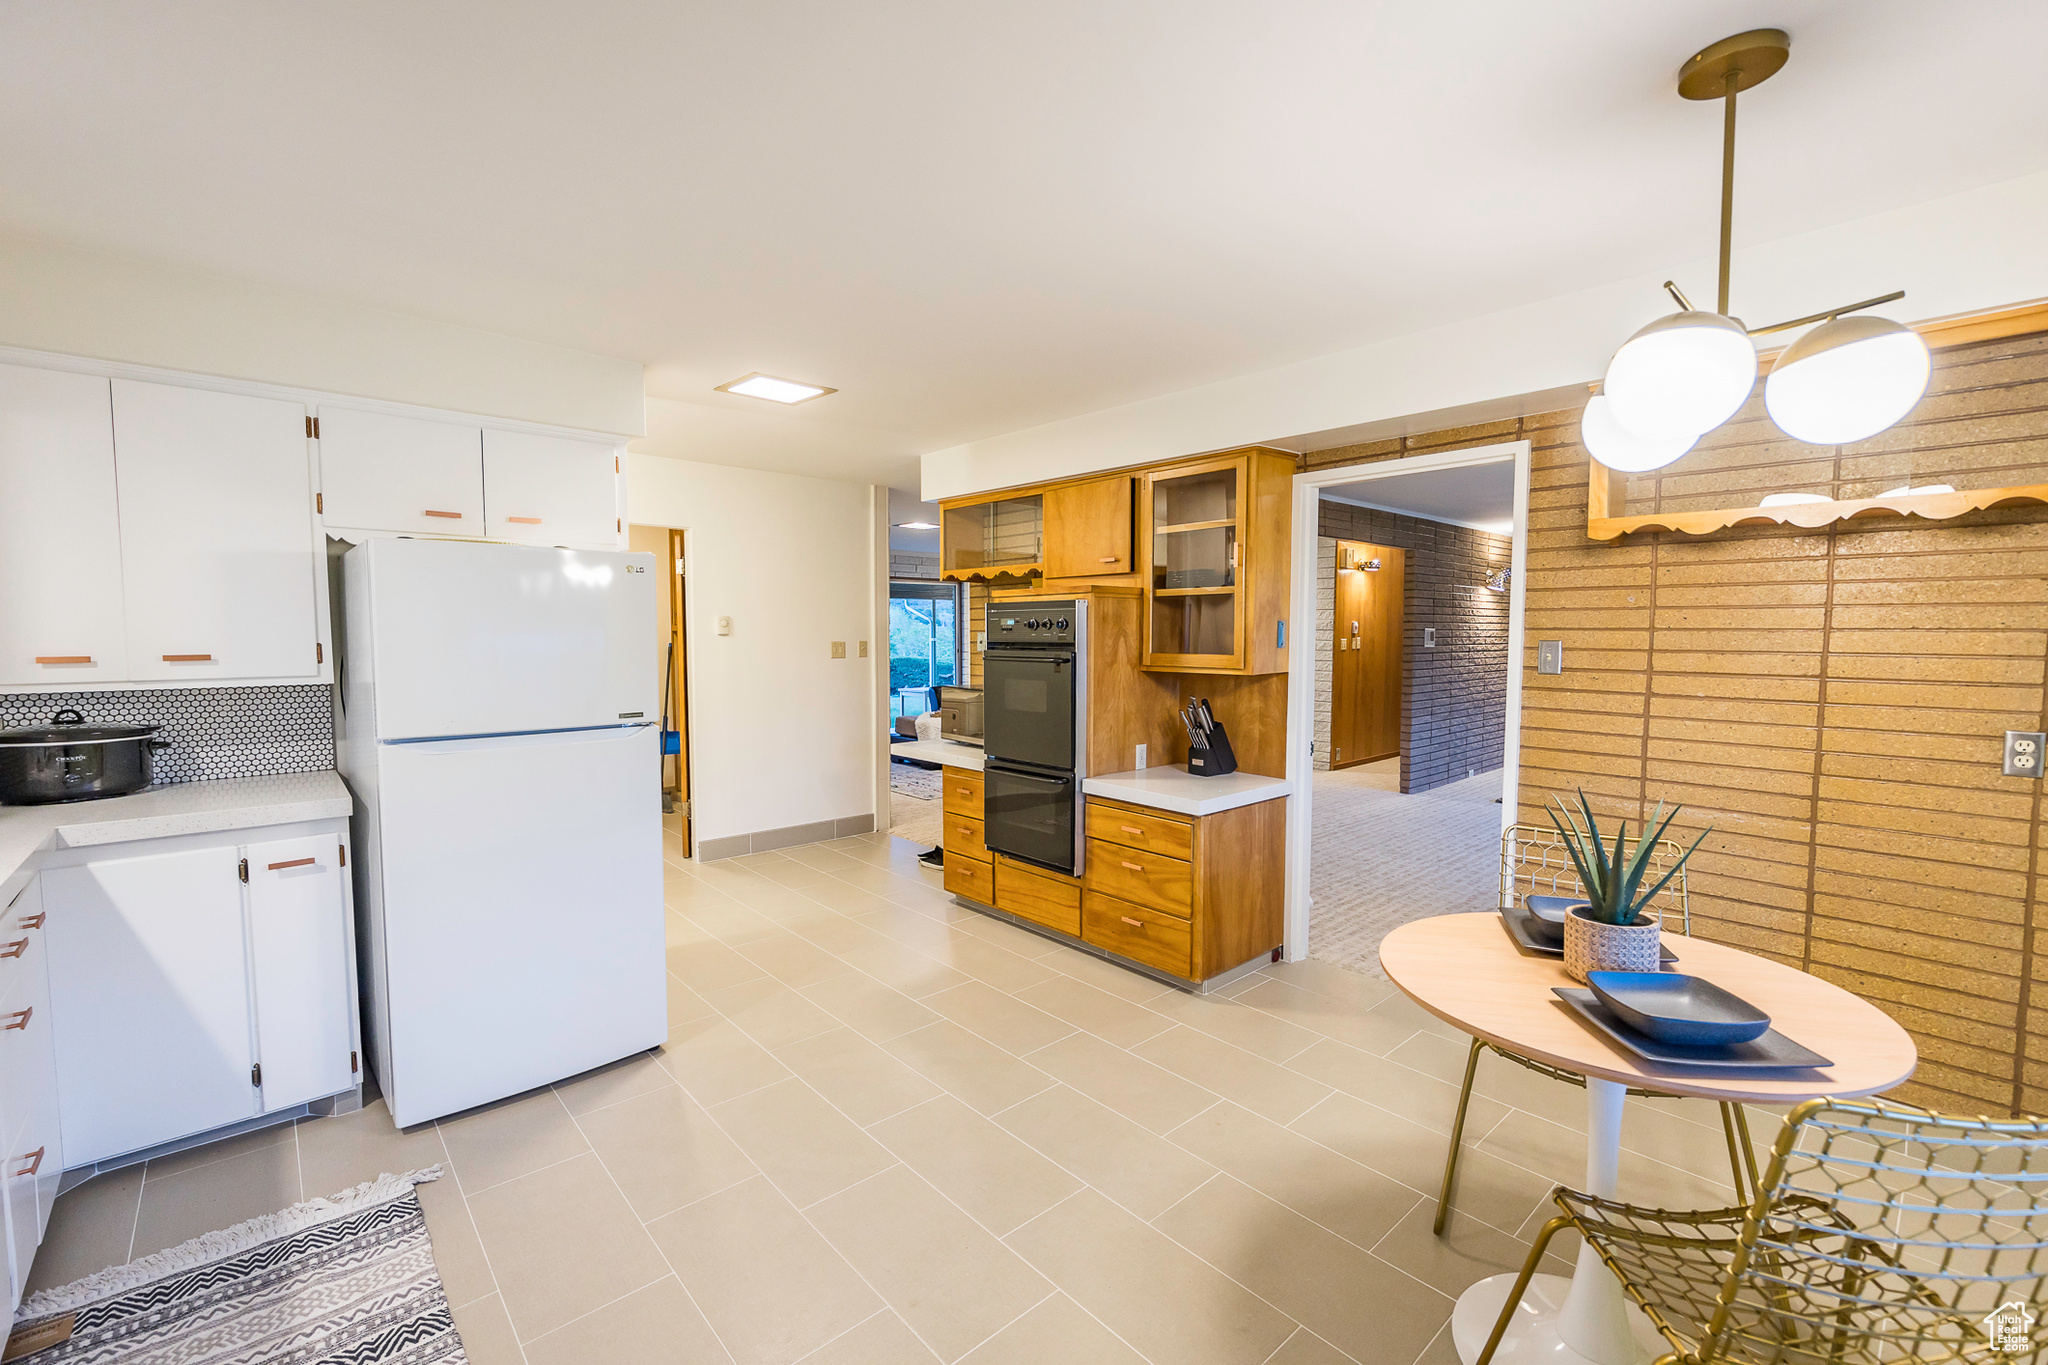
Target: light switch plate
{"points": [[863, 649], [1429, 637], [1550, 656], [725, 625], [2023, 753], [839, 649]]}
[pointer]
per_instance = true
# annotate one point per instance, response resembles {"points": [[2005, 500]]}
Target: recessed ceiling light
{"points": [[917, 526], [758, 385]]}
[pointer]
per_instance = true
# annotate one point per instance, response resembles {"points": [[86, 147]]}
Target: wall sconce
{"points": [[1498, 580], [1349, 561]]}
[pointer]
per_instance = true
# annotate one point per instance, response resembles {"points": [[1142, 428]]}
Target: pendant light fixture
{"points": [[1688, 372]]}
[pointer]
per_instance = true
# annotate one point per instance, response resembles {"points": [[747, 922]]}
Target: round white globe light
{"points": [[1847, 380], [1615, 446], [1682, 375]]}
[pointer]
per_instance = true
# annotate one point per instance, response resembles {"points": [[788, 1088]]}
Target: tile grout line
{"points": [[497, 1289]]}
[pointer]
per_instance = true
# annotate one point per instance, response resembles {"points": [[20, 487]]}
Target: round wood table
{"points": [[1468, 972]]}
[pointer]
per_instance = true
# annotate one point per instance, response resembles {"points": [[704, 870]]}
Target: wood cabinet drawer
{"points": [[974, 880], [1041, 897], [963, 837], [1148, 830], [1132, 931], [963, 791], [1150, 879]]}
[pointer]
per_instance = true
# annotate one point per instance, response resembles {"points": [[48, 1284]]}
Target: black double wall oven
{"points": [[1035, 731]]}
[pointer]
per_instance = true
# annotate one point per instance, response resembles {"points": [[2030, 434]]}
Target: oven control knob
{"points": [[1032, 624], [1060, 624]]}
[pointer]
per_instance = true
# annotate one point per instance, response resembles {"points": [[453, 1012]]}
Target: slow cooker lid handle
{"points": [[67, 717]]}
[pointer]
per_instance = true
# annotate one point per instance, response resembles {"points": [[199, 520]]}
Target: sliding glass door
{"points": [[924, 644]]}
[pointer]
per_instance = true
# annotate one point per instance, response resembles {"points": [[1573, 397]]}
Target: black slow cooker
{"points": [[68, 760]]}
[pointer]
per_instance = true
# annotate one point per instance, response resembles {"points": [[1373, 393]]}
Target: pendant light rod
{"points": [[1727, 183], [1678, 296], [1721, 71], [1830, 315]]}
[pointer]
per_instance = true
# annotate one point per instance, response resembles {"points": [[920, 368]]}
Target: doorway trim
{"points": [[1301, 658]]}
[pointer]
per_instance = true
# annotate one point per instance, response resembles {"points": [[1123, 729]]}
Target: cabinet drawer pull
{"points": [[1135, 924], [1131, 829], [1109, 559], [524, 521], [965, 791], [452, 516], [15, 949], [188, 658], [296, 862], [1132, 866], [63, 658], [34, 1160], [34, 921], [20, 1018]]}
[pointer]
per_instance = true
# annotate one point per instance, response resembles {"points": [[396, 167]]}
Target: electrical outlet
{"points": [[1141, 757], [839, 649], [1550, 656], [1429, 637], [2023, 753], [863, 649]]}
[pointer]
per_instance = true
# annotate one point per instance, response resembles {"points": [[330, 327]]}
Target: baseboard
{"points": [[789, 836]]}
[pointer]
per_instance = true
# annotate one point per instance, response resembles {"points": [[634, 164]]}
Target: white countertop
{"points": [[158, 812], [942, 751], [1178, 790]]}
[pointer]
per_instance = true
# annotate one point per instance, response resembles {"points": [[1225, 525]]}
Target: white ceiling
{"points": [[971, 219], [1476, 495]]}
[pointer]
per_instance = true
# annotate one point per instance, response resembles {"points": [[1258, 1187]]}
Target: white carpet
{"points": [[1379, 859]]}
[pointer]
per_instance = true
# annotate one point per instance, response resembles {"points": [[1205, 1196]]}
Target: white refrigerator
{"points": [[498, 729]]}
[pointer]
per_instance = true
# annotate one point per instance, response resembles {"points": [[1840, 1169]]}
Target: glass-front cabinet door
{"points": [[1194, 533]]}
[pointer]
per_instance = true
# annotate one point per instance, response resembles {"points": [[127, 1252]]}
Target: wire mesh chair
{"points": [[1881, 1234], [1534, 861]]}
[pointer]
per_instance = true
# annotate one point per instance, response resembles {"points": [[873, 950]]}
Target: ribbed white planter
{"points": [[1590, 946]]}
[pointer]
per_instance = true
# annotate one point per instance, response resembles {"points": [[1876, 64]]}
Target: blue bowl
{"points": [[1673, 1008]]}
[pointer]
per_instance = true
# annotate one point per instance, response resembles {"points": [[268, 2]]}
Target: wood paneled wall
{"points": [[1832, 702]]}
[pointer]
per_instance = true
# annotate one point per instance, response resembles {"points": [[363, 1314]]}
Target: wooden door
{"points": [[1365, 681], [149, 1000], [299, 950], [1088, 529], [550, 490], [60, 535], [677, 771], [391, 473], [218, 557]]}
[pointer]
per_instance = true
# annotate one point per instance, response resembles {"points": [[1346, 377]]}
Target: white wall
{"points": [[85, 303], [780, 732], [1967, 252]]}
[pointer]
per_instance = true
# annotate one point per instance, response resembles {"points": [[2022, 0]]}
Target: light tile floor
{"points": [[888, 1130]]}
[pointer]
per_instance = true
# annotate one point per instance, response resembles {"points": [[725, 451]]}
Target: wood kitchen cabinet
{"points": [[551, 490], [1088, 528], [1189, 895], [381, 471], [993, 540], [60, 534], [185, 998], [1214, 548], [220, 565]]}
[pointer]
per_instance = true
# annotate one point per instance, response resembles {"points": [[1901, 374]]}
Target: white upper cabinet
{"points": [[550, 490], [389, 473], [60, 538], [218, 551]]}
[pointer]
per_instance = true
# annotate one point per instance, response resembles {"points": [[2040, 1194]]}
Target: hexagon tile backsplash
{"points": [[214, 732]]}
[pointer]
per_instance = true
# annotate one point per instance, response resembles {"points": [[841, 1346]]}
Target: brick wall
{"points": [[1454, 697], [1832, 702], [911, 566]]}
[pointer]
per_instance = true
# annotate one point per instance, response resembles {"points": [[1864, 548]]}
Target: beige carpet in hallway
{"points": [[1378, 859]]}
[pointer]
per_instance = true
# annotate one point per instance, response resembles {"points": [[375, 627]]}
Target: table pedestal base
{"points": [[1533, 1334]]}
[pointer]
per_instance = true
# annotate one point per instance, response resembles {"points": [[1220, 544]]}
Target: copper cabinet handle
{"points": [[63, 658], [1131, 829], [524, 521], [34, 921], [296, 862], [1109, 559], [188, 658], [452, 516], [1132, 866], [34, 1160], [20, 1018], [1135, 924], [15, 949]]}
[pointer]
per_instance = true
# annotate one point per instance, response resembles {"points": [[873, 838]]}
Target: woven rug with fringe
{"points": [[348, 1280]]}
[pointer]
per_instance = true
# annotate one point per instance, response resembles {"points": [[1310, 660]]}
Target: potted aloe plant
{"points": [[1611, 932]]}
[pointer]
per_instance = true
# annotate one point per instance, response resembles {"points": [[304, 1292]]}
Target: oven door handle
{"points": [[1055, 656], [1034, 777]]}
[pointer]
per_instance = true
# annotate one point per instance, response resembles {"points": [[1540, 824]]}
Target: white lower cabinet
{"points": [[33, 1154], [186, 998]]}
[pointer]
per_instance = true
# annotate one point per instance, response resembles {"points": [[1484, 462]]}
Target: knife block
{"points": [[1217, 759]]}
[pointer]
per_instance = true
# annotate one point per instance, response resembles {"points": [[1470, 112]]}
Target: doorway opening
{"points": [[927, 652], [1409, 750], [671, 639]]}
